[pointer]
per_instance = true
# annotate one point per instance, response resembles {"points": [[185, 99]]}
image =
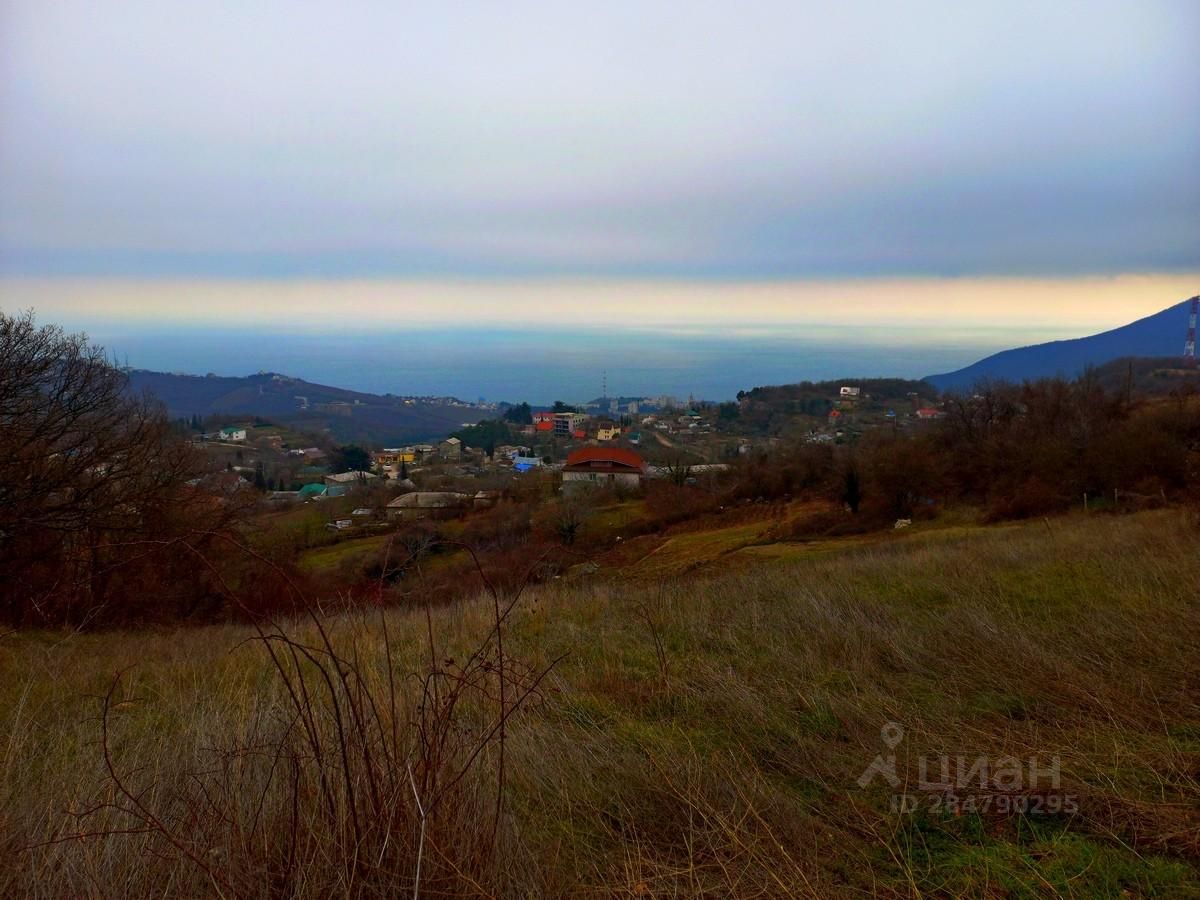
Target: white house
{"points": [[429, 505], [233, 433], [603, 467], [349, 479]]}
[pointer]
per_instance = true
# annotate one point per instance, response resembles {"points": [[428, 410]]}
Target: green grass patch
{"points": [[345, 552]]}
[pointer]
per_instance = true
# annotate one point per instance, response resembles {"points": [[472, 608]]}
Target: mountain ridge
{"points": [[1159, 334], [348, 414]]}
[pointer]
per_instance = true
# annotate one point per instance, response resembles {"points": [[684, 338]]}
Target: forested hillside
{"points": [[349, 415]]}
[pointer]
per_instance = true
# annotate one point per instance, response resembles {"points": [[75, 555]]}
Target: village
{"points": [[616, 444]]}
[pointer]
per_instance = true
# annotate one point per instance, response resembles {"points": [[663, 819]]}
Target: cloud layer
{"points": [[750, 140]]}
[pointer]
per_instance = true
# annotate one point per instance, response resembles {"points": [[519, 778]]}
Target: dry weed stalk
{"points": [[353, 791]]}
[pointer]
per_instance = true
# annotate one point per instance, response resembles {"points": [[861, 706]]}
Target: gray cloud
{"points": [[742, 140]]}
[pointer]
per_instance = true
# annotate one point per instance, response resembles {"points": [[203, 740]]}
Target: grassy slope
{"points": [[354, 551], [728, 764]]}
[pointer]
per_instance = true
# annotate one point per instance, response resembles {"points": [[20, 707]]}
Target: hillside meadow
{"points": [[686, 736]]}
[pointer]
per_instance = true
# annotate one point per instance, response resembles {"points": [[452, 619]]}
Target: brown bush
{"points": [[668, 503], [1033, 497]]}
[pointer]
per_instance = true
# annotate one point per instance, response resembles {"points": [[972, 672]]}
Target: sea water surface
{"points": [[539, 367], [569, 339]]}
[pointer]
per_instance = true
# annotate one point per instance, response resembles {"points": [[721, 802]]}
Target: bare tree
{"points": [[570, 516], [679, 470], [83, 466]]}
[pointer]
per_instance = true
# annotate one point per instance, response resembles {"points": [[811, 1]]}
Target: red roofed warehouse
{"points": [[603, 467]]}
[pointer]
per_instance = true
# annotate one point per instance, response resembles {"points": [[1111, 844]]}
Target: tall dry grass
{"points": [[694, 737]]}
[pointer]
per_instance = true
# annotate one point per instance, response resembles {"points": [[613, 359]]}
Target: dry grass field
{"points": [[691, 735]]}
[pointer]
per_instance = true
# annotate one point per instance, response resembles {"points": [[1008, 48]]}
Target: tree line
{"points": [[1012, 450]]}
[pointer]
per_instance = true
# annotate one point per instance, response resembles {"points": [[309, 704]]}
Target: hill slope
{"points": [[350, 415], [707, 737], [1157, 335]]}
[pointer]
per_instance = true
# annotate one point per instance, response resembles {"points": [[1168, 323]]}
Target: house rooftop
{"points": [[430, 500], [349, 477], [590, 457]]}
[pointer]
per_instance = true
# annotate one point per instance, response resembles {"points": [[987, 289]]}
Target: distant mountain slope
{"points": [[349, 415], [1157, 335]]}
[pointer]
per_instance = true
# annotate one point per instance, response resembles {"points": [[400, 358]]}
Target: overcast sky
{"points": [[741, 140]]}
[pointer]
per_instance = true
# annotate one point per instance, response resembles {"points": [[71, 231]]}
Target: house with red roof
{"points": [[603, 467]]}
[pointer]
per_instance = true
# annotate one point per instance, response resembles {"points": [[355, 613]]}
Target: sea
{"points": [[534, 366]]}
